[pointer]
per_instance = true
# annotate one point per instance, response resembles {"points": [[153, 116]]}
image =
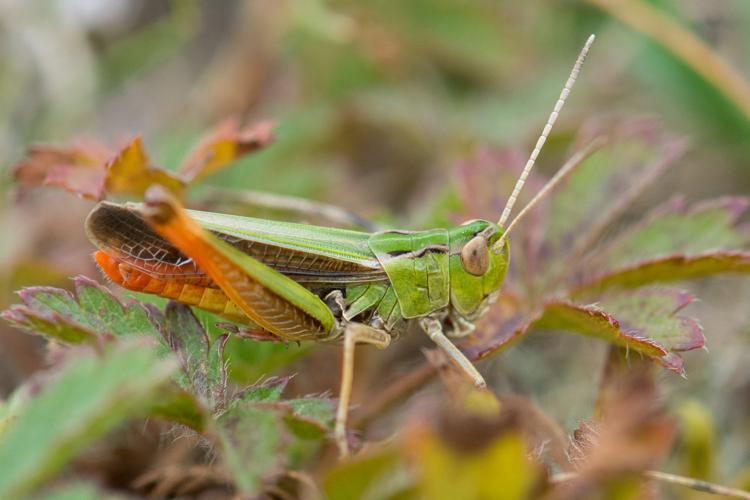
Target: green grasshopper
{"points": [[300, 282]]}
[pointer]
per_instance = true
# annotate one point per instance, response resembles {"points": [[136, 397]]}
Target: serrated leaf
{"points": [[226, 144], [665, 270], [654, 313], [644, 321], [310, 418], [90, 396], [189, 342], [81, 317], [265, 392], [318, 408], [594, 322]]}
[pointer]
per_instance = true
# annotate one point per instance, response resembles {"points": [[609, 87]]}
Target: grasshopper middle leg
{"points": [[354, 333]]}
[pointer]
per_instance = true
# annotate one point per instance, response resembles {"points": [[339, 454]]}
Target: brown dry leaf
{"points": [[633, 435], [226, 144], [472, 456], [77, 168], [544, 437]]}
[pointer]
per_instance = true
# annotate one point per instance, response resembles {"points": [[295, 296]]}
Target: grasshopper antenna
{"points": [[542, 139]]}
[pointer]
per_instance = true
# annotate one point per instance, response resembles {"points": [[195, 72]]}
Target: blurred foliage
{"points": [[381, 107]]}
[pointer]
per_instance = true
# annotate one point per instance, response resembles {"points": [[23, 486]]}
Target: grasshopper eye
{"points": [[475, 256]]}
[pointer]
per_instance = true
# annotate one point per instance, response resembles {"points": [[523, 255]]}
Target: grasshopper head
{"points": [[477, 271]]}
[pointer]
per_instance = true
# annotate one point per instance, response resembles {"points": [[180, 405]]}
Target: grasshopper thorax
{"points": [[476, 270]]}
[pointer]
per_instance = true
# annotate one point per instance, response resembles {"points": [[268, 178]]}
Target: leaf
{"points": [[666, 269], [92, 171], [676, 228], [488, 172], [77, 169], [654, 313], [91, 312], [90, 396], [311, 417], [252, 445], [644, 321], [264, 392], [379, 473], [469, 470], [202, 362], [183, 407], [594, 322], [638, 150], [632, 435], [259, 433], [131, 173], [226, 144], [498, 329]]}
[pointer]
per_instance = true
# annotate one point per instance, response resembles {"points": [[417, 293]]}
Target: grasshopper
{"points": [[298, 282]]}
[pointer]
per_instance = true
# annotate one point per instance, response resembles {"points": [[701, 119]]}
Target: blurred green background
{"points": [[377, 101]]}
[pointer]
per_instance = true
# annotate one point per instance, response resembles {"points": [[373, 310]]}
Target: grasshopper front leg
{"points": [[434, 329]]}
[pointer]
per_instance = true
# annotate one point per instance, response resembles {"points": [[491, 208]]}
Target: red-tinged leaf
{"points": [[484, 179], [84, 316], [654, 312], [594, 322], [491, 339], [131, 173], [666, 269], [504, 325], [225, 145], [78, 169]]}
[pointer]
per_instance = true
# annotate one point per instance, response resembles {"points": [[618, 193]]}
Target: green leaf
{"points": [[310, 418], [267, 391], [676, 228], [638, 150], [202, 362], [665, 270], [252, 442], [84, 316], [317, 408], [182, 407], [260, 433], [91, 395]]}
